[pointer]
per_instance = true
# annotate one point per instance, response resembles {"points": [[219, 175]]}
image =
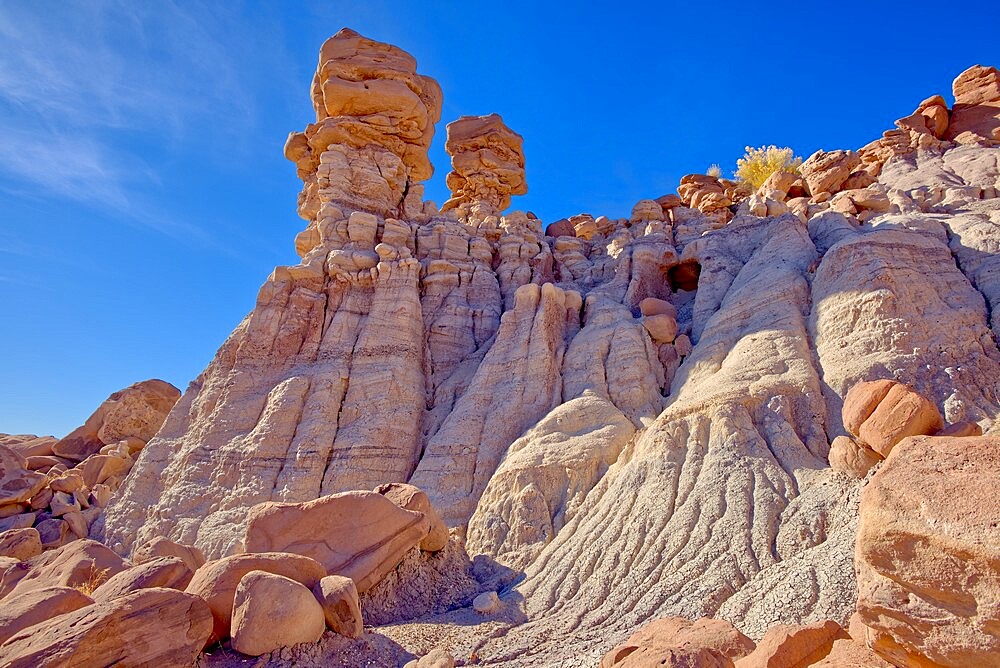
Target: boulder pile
{"points": [[879, 414], [264, 599], [60, 487]]}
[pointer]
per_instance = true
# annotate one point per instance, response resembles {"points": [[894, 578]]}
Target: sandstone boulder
{"points": [[28, 445], [646, 210], [36, 606], [901, 413], [102, 468], [705, 193], [436, 658], [53, 533], [853, 458], [787, 646], [977, 104], [21, 544], [827, 171], [662, 328], [85, 564], [138, 411], [152, 627], [361, 535], [164, 572], [486, 602], [961, 429], [781, 180], [668, 202], [861, 401], [161, 547], [409, 497], [341, 606], [707, 641], [271, 611], [560, 228], [217, 580], [927, 557], [17, 483], [654, 306]]}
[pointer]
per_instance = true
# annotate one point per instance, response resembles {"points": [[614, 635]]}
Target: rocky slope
{"points": [[627, 419]]}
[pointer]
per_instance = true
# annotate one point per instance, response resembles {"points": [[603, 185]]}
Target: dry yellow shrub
{"points": [[759, 163], [95, 579]]}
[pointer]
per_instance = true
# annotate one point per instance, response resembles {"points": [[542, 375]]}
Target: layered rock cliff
{"points": [[635, 415]]}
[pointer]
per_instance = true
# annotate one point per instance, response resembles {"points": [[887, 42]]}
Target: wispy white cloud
{"points": [[90, 90]]}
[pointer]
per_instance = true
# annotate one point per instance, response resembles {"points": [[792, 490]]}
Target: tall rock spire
{"points": [[375, 120], [487, 161]]}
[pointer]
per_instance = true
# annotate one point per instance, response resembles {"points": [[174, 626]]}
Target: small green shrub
{"points": [[758, 164]]}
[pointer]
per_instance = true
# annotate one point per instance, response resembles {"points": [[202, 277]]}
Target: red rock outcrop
{"points": [[360, 535], [216, 582], [375, 120], [977, 104], [152, 627], [487, 160], [927, 557]]}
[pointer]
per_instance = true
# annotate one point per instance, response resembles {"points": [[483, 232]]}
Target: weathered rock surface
{"points": [[216, 582], [487, 160], [152, 627], [271, 611], [928, 557], [544, 478], [36, 606], [360, 535], [341, 607], [137, 411]]}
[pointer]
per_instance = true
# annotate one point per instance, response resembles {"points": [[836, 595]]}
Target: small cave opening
{"points": [[684, 276]]}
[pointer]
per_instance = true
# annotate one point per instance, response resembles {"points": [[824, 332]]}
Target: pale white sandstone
{"points": [[544, 478]]}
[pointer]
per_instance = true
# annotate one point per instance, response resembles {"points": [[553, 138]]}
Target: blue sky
{"points": [[144, 197]]}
